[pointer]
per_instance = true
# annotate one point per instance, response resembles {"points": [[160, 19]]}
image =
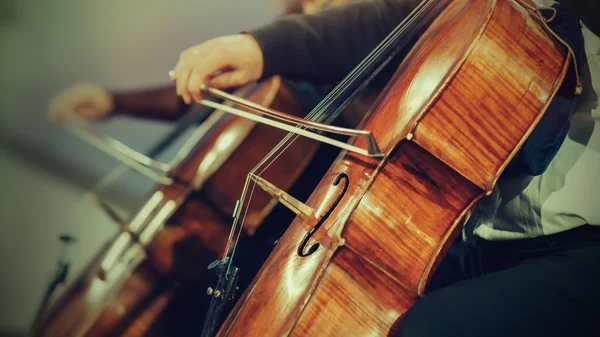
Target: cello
{"points": [[132, 280], [458, 109]]}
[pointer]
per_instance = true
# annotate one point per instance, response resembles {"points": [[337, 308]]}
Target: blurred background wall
{"points": [[46, 172]]}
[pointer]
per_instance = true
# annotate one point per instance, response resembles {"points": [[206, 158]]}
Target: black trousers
{"points": [[547, 286]]}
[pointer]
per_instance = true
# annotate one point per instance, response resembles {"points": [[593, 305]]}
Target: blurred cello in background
{"points": [[456, 112], [130, 282]]}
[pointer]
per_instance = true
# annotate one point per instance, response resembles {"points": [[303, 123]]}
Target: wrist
{"points": [[259, 63], [274, 43], [116, 105]]}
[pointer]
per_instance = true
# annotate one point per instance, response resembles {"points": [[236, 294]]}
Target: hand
{"points": [[223, 62], [87, 100]]}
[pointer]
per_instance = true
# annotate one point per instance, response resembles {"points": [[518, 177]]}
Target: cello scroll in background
{"points": [[456, 111]]}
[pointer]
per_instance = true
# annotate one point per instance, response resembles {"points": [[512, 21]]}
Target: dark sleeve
{"points": [[326, 46]]}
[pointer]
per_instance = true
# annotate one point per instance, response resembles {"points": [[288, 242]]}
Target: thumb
{"points": [[228, 80], [57, 112]]}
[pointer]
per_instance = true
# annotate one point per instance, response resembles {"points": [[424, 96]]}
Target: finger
{"points": [[181, 79], [57, 110], [228, 80], [87, 112], [61, 113], [173, 73], [210, 64], [55, 115], [197, 79]]}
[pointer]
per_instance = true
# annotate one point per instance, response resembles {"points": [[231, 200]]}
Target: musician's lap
{"points": [[550, 289]]}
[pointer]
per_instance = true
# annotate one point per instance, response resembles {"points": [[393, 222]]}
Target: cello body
{"points": [[455, 113], [127, 298]]}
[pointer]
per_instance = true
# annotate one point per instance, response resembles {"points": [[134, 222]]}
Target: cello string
{"points": [[384, 46], [320, 112], [241, 220], [289, 139], [239, 231], [371, 58], [316, 114], [238, 225]]}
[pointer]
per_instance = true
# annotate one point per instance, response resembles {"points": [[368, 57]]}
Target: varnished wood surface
{"points": [[415, 200], [520, 74], [353, 299], [450, 120], [292, 279], [143, 324]]}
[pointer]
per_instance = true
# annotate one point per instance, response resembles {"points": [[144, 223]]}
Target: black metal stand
{"points": [[60, 276]]}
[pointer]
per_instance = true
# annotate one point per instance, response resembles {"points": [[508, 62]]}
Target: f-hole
{"points": [[302, 250]]}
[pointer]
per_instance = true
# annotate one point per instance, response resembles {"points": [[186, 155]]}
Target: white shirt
{"points": [[567, 195]]}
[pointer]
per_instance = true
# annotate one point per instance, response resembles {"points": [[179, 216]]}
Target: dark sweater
{"points": [[324, 47]]}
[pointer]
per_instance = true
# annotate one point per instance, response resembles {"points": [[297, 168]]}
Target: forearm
{"points": [[326, 46], [160, 103]]}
